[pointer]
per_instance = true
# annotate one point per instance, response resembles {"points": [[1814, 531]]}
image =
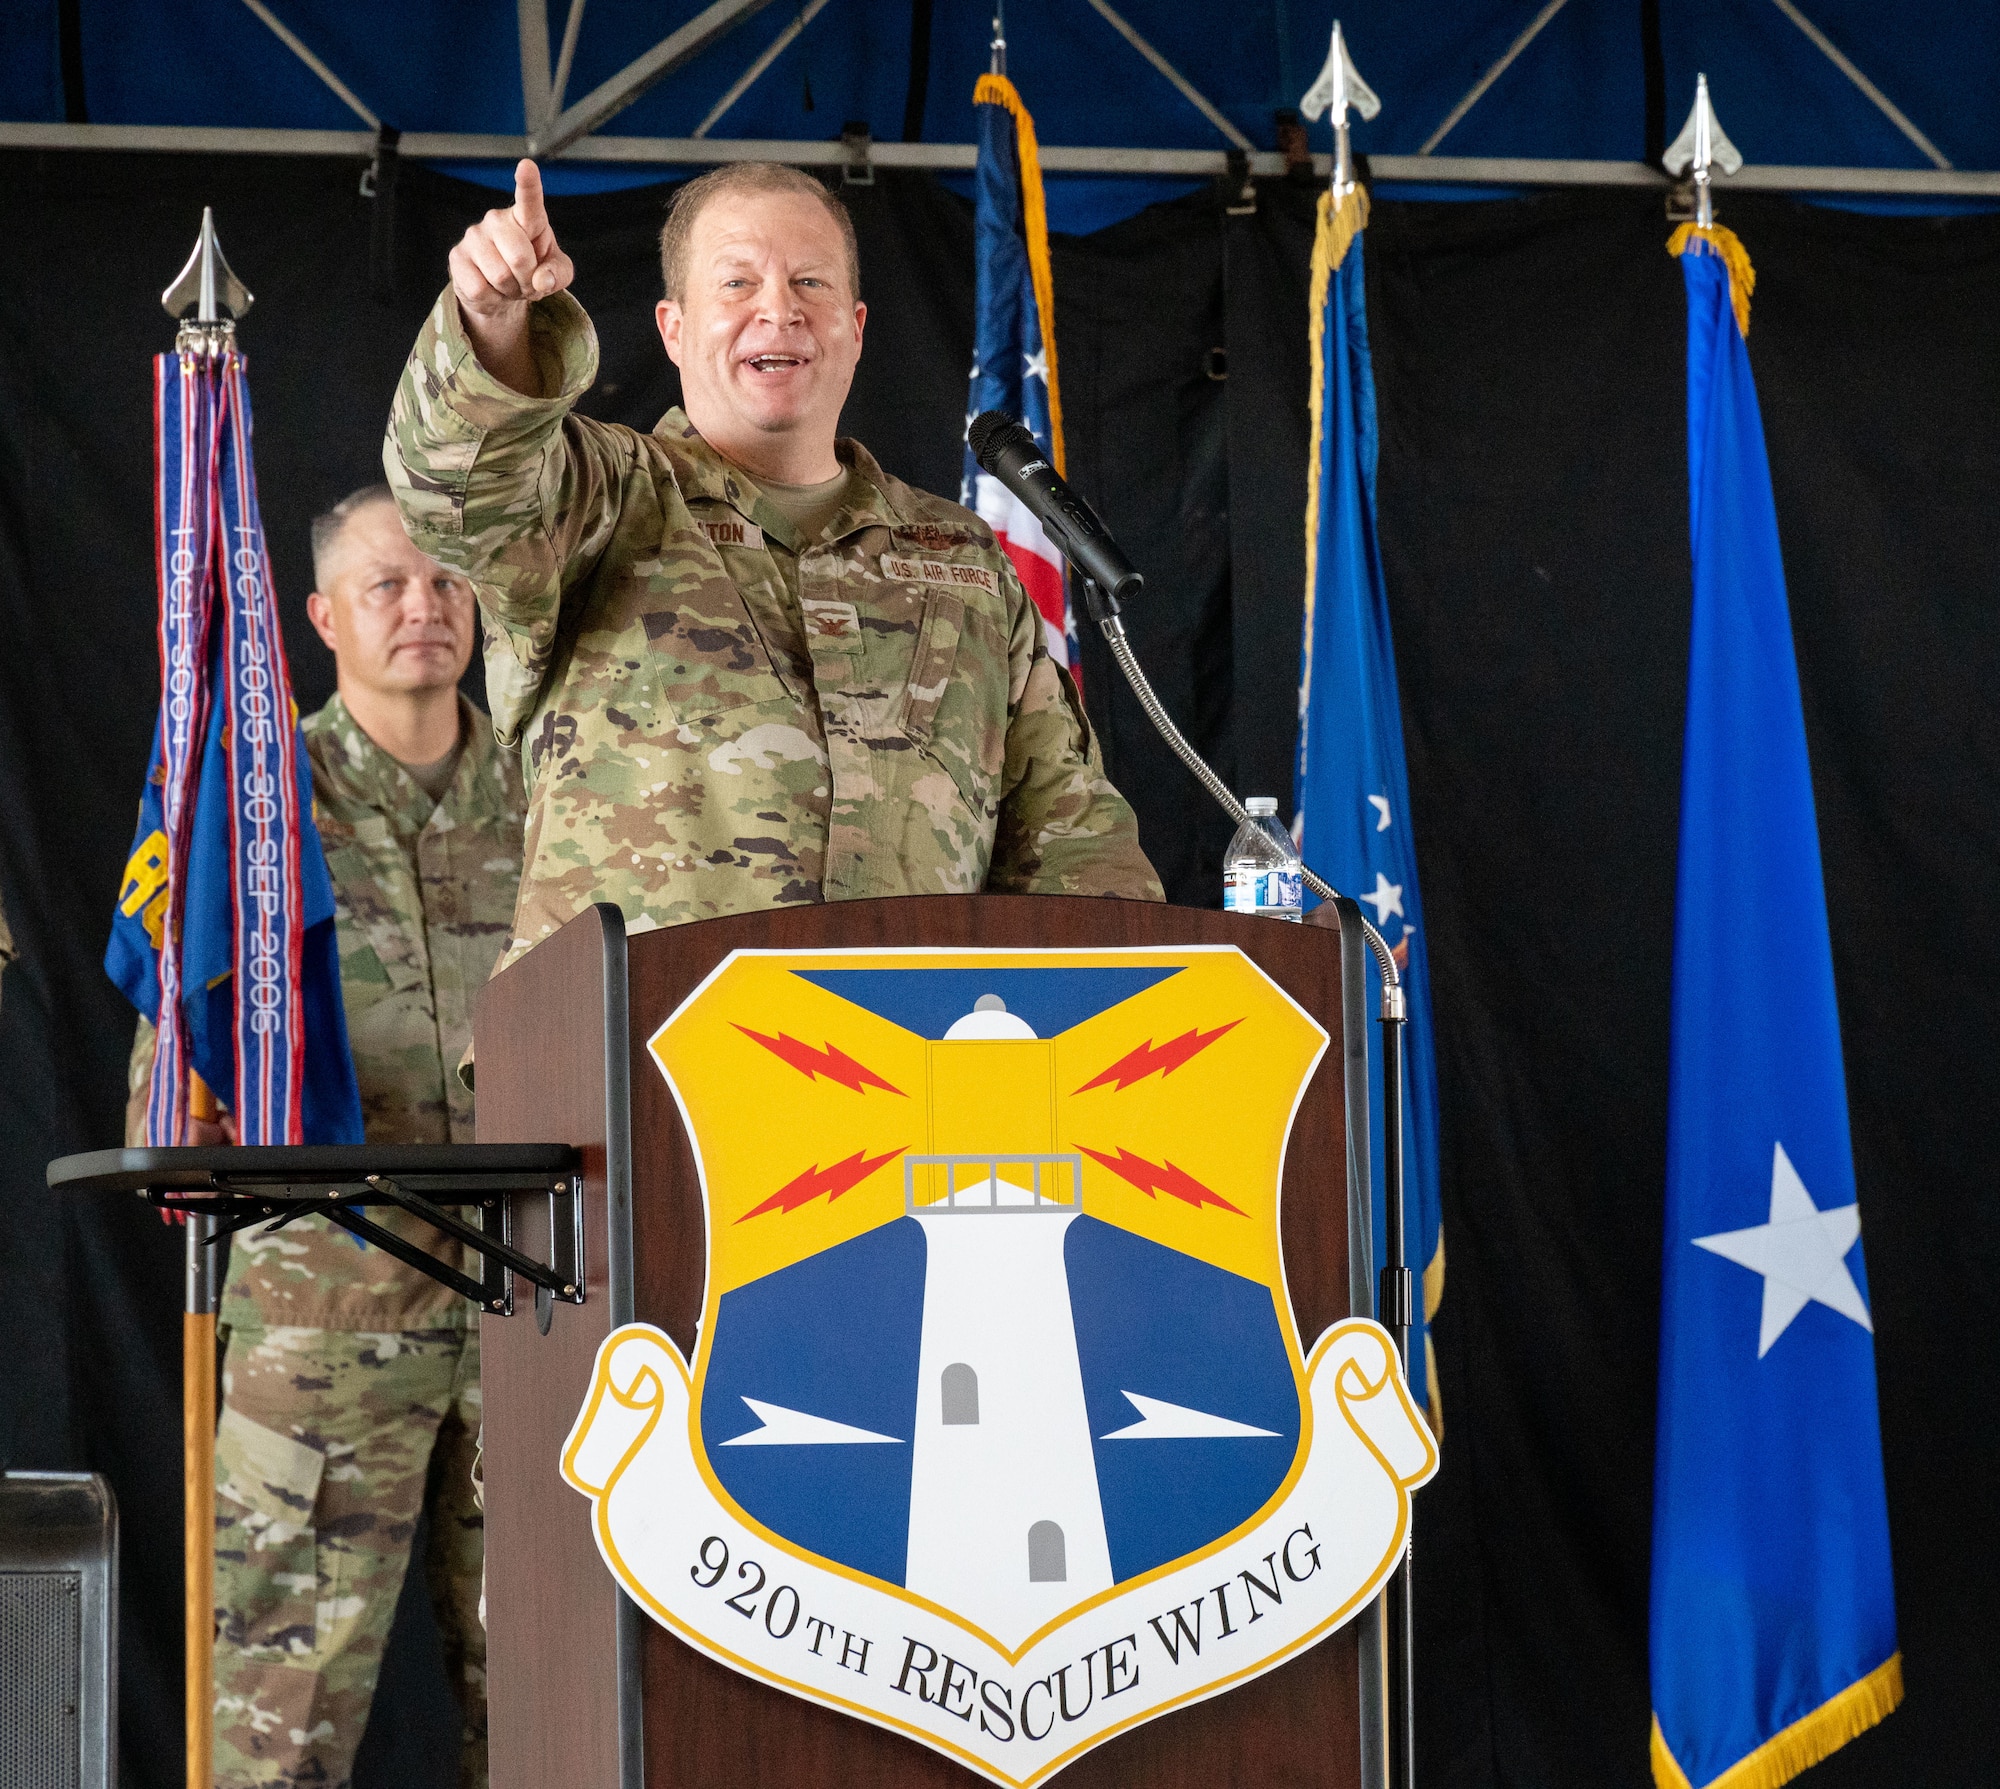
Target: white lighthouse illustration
{"points": [[1006, 1525]]}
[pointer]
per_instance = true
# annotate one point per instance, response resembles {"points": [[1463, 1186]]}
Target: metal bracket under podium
{"points": [[239, 1187]]}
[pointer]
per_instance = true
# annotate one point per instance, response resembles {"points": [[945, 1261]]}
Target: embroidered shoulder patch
{"points": [[939, 571], [733, 533]]}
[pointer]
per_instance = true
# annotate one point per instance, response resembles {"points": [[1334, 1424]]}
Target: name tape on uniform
{"points": [[733, 533], [939, 571]]}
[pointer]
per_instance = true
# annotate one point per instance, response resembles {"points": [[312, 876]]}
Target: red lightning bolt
{"points": [[834, 1064], [1168, 1057], [1178, 1183], [842, 1177]]}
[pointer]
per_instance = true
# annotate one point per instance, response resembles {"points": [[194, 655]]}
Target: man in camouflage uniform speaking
{"points": [[749, 667], [350, 1381]]}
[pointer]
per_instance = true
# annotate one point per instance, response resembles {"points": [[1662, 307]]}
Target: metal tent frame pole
{"points": [[708, 152]]}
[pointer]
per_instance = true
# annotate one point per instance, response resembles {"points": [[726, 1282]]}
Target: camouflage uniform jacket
{"points": [[718, 715], [424, 896]]}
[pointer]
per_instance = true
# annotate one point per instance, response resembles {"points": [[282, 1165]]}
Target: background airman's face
{"points": [[397, 621]]}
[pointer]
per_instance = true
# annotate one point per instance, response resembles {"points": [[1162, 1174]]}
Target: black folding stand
{"points": [[234, 1188]]}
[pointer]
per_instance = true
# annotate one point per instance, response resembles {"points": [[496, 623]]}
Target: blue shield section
{"points": [[833, 1336], [1152, 1320], [926, 1001]]}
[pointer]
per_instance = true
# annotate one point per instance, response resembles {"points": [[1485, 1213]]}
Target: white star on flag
{"points": [[1380, 803], [1036, 365], [1801, 1252], [1387, 899]]}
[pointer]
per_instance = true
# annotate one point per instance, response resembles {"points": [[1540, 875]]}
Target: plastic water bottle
{"points": [[1261, 869]]}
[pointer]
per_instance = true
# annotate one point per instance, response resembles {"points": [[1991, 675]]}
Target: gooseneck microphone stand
{"points": [[1395, 1296], [1009, 453]]}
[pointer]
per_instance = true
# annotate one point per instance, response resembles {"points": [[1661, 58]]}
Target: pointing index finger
{"points": [[529, 211]]}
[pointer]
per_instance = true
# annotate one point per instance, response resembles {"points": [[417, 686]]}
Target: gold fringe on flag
{"points": [[997, 90], [1807, 1740], [1735, 257], [1336, 227]]}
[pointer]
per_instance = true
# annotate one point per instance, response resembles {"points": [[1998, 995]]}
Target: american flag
{"points": [[1014, 353]]}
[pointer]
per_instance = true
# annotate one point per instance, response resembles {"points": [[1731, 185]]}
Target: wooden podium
{"points": [[584, 1691]]}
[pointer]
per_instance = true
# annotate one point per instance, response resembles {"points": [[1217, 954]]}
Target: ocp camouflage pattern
{"points": [[699, 740], [327, 1443], [424, 900]]}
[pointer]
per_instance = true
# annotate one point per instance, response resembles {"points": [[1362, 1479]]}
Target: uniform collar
{"points": [[360, 770], [704, 473]]}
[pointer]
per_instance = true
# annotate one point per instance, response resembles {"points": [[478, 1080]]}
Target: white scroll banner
{"points": [[1307, 1563]]}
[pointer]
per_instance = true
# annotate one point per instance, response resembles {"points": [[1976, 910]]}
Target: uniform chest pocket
{"points": [[931, 666], [954, 707], [704, 667], [377, 914]]}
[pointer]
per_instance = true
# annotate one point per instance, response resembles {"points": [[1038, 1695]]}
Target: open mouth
{"points": [[773, 363]]}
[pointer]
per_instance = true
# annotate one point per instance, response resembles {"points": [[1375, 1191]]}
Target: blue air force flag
{"points": [[1014, 346], [1773, 1607], [1351, 808]]}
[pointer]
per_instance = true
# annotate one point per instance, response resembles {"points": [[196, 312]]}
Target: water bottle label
{"points": [[1262, 891]]}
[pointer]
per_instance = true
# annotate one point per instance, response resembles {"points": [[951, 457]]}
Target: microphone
{"points": [[1005, 449]]}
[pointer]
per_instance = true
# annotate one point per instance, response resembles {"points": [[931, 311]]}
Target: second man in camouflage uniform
{"points": [[748, 667], [351, 1381]]}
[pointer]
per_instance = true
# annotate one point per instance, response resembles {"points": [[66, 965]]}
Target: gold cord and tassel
{"points": [[1716, 239], [1335, 230], [997, 90]]}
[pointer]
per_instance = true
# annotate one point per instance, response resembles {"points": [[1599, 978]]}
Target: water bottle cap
{"points": [[1261, 807]]}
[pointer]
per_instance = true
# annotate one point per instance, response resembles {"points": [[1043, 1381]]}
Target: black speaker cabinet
{"points": [[58, 1631]]}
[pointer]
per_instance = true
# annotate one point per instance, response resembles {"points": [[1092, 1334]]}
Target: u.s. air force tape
{"points": [[939, 571]]}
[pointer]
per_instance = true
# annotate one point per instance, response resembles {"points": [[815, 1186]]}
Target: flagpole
{"points": [[198, 1468], [207, 285]]}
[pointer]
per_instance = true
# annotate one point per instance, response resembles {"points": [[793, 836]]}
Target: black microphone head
{"points": [[994, 430]]}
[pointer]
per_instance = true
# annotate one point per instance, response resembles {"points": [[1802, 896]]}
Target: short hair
{"points": [[745, 177], [329, 527]]}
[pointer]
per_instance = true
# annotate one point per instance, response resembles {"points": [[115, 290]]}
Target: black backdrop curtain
{"points": [[1529, 363]]}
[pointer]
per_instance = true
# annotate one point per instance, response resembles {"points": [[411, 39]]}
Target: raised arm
{"points": [[492, 473], [502, 265]]}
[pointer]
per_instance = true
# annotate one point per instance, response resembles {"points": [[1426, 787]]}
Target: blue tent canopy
{"points": [[1577, 90]]}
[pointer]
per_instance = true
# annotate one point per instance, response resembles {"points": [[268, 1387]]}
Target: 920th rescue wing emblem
{"points": [[999, 1432]]}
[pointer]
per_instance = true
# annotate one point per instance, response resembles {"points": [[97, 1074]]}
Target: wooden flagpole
{"points": [[198, 1469]]}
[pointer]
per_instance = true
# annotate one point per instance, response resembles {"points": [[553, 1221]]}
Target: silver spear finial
{"points": [[1340, 86], [1702, 146], [210, 286]]}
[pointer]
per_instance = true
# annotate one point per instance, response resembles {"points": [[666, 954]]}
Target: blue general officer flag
{"points": [[1014, 345], [1773, 1606], [1351, 807]]}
